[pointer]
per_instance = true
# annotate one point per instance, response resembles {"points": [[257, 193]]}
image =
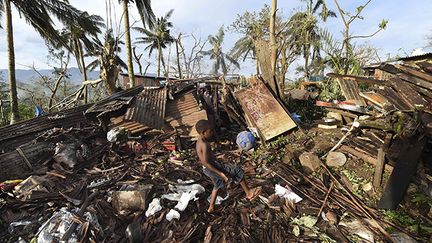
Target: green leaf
{"points": [[383, 24]]}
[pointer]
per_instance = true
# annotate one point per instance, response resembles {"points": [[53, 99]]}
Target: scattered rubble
{"points": [[125, 167]]}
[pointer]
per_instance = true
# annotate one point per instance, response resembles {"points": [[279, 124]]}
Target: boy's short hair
{"points": [[202, 125]]}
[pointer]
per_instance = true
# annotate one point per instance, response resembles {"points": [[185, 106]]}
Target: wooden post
{"points": [[379, 168]]}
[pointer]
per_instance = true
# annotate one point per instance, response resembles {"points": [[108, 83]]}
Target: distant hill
{"points": [[26, 75]]}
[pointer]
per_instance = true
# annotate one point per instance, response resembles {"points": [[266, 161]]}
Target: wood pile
{"points": [[393, 116]]}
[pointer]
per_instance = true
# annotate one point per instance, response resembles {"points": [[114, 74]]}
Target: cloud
{"points": [[409, 23]]}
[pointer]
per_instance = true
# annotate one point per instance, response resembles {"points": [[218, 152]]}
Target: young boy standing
{"points": [[219, 173]]}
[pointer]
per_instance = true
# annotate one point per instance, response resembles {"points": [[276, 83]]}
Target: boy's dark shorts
{"points": [[231, 171]]}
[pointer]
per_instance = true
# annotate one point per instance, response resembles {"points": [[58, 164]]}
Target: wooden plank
{"points": [[351, 91], [375, 139], [412, 71], [417, 81], [357, 79], [364, 157], [389, 68], [426, 66], [394, 98], [343, 113], [405, 168], [364, 146], [264, 111], [410, 95], [378, 99], [379, 168]]}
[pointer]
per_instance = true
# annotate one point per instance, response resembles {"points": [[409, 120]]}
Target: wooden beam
{"points": [[364, 157], [410, 95], [343, 113], [358, 79], [395, 98], [415, 80], [379, 168], [404, 170], [389, 68], [426, 66], [415, 72]]}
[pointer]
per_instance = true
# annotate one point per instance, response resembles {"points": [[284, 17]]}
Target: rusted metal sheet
{"points": [[184, 112], [148, 108], [146, 111], [351, 91], [264, 112]]}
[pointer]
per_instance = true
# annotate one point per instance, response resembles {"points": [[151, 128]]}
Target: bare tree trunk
{"points": [[257, 66], [159, 60], [178, 57], [11, 64], [83, 71], [273, 46], [306, 63], [128, 44], [273, 36]]}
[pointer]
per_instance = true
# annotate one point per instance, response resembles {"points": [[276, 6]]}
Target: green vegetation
{"points": [[414, 225]]}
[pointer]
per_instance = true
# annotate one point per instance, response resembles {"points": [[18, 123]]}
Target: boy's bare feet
{"points": [[210, 209], [253, 193]]}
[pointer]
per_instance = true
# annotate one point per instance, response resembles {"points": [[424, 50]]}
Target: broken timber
{"points": [[405, 168]]}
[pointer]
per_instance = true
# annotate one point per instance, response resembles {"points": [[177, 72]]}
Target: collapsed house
{"points": [[125, 168], [394, 120]]}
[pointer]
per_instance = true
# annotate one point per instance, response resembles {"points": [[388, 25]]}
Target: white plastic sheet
{"points": [[287, 193]]}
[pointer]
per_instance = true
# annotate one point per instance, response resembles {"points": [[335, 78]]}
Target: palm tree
{"points": [[304, 26], [79, 35], [147, 17], [158, 38], [37, 14], [217, 54], [108, 61], [244, 48]]}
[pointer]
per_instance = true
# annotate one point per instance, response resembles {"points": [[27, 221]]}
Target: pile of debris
{"points": [[125, 168], [390, 124]]}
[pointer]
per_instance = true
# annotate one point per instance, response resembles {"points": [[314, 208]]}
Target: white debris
{"points": [[219, 199], [153, 207], [287, 193], [183, 194], [172, 214]]}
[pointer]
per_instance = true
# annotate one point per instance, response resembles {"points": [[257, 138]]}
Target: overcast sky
{"points": [[410, 22]]}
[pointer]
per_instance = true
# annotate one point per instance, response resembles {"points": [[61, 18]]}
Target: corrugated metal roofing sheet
{"points": [[184, 112], [147, 111], [148, 108]]}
